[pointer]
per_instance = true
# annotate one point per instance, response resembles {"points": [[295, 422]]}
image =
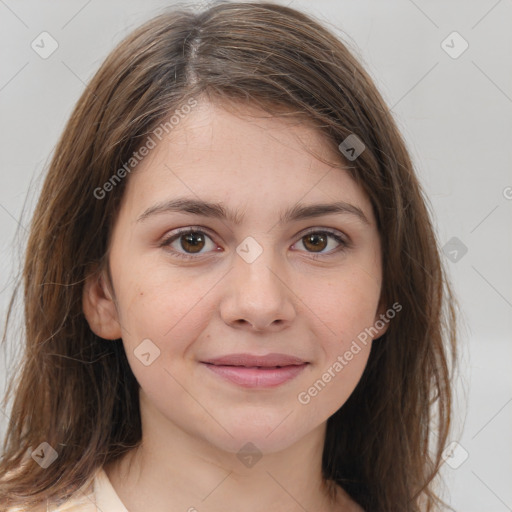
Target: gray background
{"points": [[455, 114]]}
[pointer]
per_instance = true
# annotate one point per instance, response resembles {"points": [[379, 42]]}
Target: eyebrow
{"points": [[218, 211]]}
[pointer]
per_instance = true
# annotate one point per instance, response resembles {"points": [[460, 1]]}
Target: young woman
{"points": [[234, 298]]}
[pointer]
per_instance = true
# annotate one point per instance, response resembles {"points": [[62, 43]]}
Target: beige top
{"points": [[101, 498]]}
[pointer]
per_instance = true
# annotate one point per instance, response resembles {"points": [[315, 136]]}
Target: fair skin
{"points": [[194, 422]]}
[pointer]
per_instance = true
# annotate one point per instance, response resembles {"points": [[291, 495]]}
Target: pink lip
{"points": [[256, 371], [257, 377]]}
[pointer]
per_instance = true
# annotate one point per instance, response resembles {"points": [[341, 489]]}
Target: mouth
{"points": [[252, 371]]}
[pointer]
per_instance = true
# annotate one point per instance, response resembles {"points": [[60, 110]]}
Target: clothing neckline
{"points": [[105, 495]]}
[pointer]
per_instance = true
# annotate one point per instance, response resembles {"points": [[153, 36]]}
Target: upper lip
{"points": [[268, 360]]}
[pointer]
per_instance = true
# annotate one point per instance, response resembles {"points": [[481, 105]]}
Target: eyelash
{"points": [[171, 238]]}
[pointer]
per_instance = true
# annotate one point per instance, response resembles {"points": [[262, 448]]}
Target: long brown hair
{"points": [[76, 391]]}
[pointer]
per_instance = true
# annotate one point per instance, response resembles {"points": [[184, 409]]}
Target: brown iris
{"points": [[318, 241], [195, 242]]}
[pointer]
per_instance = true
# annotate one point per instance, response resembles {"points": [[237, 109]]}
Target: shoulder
{"points": [[74, 504], [82, 500], [97, 494]]}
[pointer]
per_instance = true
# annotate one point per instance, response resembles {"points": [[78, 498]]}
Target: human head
{"points": [[255, 285], [229, 53]]}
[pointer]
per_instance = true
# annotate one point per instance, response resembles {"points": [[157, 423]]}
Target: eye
{"points": [[317, 241], [190, 240]]}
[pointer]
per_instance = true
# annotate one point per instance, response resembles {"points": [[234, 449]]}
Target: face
{"points": [[208, 306]]}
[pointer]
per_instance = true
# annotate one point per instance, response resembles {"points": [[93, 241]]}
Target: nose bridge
{"points": [[257, 264], [260, 296]]}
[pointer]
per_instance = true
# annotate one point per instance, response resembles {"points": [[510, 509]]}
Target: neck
{"points": [[173, 470]]}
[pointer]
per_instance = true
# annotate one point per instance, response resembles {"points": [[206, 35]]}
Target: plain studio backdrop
{"points": [[444, 68]]}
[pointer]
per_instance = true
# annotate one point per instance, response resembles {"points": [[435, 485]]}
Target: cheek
{"points": [[159, 323], [348, 306], [163, 306]]}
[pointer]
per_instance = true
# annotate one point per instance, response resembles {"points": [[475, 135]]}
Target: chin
{"points": [[268, 436]]}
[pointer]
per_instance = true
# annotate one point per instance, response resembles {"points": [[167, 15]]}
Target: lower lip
{"points": [[257, 377]]}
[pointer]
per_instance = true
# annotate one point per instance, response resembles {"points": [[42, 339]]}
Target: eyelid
{"points": [[343, 240], [330, 231], [170, 238]]}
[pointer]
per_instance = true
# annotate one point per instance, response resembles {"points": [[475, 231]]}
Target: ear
{"points": [[99, 307], [382, 320]]}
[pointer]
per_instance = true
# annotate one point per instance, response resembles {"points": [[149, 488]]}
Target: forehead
{"points": [[244, 157]]}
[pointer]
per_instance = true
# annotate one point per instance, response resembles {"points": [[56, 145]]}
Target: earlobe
{"points": [[382, 320], [99, 308]]}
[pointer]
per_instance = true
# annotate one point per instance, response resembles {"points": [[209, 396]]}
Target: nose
{"points": [[257, 296]]}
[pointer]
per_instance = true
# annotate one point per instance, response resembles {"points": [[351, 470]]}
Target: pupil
{"points": [[195, 240], [317, 239]]}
